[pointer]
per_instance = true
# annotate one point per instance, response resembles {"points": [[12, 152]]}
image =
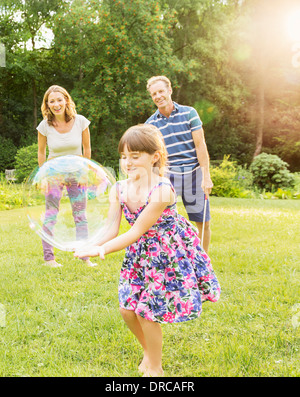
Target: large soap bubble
{"points": [[67, 202]]}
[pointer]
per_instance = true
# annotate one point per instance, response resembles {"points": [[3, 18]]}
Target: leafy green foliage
{"points": [[281, 194], [104, 51], [29, 66], [205, 39], [229, 180], [26, 161], [111, 48], [270, 172], [7, 153], [284, 139], [10, 195]]}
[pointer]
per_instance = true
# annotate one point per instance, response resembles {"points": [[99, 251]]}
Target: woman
{"points": [[65, 133]]}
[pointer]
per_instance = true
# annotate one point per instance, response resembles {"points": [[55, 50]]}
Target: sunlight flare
{"points": [[293, 25]]}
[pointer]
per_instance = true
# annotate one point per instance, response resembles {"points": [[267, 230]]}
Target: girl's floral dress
{"points": [[166, 275]]}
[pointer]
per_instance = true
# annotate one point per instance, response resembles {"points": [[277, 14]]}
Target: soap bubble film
{"points": [[67, 202]]}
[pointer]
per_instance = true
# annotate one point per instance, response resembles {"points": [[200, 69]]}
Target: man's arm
{"points": [[203, 159]]}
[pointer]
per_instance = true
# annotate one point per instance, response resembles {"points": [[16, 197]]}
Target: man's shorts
{"points": [[188, 186]]}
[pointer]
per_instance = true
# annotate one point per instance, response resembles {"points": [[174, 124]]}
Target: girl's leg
{"points": [[152, 332], [134, 325]]}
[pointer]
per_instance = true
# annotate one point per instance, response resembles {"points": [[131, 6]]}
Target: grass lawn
{"points": [[65, 321]]}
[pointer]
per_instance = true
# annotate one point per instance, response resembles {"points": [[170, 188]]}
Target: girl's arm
{"points": [[42, 145], [113, 217], [86, 143], [160, 199], [113, 225]]}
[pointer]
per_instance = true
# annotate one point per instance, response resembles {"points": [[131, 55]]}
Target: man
{"points": [[187, 152]]}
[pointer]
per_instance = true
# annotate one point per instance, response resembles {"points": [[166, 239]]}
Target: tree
{"points": [[266, 70], [111, 48], [217, 54], [206, 38], [27, 67]]}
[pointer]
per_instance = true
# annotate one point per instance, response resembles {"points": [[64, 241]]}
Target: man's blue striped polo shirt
{"points": [[177, 132]]}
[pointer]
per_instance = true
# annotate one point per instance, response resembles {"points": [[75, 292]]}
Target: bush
{"points": [[7, 154], [281, 194], [10, 195], [297, 181], [244, 177], [26, 161], [230, 180], [271, 173]]}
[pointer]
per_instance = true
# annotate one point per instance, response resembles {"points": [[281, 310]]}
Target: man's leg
{"points": [[194, 201]]}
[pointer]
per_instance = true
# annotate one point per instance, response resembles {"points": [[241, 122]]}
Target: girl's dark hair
{"points": [[145, 138]]}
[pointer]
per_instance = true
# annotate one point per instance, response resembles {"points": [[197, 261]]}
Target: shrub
{"points": [[26, 161], [297, 181], [244, 177], [230, 181], [10, 195], [7, 154], [281, 194], [270, 172]]}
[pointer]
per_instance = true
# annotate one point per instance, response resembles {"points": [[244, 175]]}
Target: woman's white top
{"points": [[62, 144]]}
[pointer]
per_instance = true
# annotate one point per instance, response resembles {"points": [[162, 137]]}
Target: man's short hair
{"points": [[155, 79]]}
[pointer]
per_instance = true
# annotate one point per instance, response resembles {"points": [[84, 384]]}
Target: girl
{"points": [[165, 275], [65, 132]]}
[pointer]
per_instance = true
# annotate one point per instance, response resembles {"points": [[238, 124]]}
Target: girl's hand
{"points": [[91, 251]]}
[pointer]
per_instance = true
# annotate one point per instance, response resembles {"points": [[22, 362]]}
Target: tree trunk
{"points": [[34, 90], [260, 117], [34, 104], [262, 67], [182, 50]]}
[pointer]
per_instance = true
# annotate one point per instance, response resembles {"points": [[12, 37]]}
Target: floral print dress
{"points": [[166, 275]]}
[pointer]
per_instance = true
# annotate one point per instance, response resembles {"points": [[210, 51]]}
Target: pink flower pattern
{"points": [[166, 275]]}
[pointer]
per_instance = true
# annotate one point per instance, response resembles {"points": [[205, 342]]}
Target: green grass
{"points": [[65, 321]]}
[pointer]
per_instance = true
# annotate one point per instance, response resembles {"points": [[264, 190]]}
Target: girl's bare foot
{"points": [[143, 365], [147, 370], [52, 263], [153, 372]]}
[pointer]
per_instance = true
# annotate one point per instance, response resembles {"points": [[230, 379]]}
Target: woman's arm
{"points": [[42, 145], [86, 143]]}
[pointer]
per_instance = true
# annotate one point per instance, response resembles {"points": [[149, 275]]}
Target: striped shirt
{"points": [[177, 132]]}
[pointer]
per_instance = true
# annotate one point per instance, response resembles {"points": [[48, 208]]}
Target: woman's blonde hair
{"points": [[70, 105], [146, 138]]}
